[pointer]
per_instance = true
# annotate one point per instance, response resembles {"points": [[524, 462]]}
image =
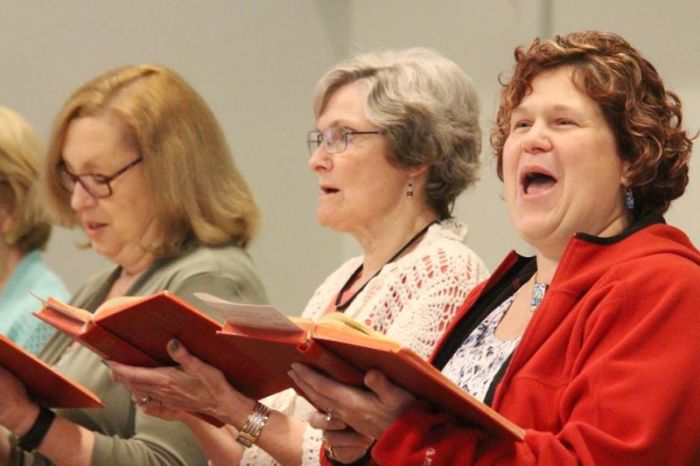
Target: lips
{"points": [[93, 228], [537, 180], [329, 189]]}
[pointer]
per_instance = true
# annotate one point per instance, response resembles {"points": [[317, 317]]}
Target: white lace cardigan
{"points": [[411, 300]]}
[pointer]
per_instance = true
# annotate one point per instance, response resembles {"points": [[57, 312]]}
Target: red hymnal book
{"points": [[136, 331], [345, 350], [43, 383]]}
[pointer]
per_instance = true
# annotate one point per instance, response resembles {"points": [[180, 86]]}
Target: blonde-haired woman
{"points": [[24, 233], [140, 163], [396, 140]]}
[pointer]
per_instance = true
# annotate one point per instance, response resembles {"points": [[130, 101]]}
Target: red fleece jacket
{"points": [[607, 372]]}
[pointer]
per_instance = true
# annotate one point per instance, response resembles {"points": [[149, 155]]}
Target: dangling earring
{"points": [[409, 190], [629, 199]]}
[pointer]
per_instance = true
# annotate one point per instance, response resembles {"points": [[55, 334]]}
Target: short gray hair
{"points": [[427, 106]]}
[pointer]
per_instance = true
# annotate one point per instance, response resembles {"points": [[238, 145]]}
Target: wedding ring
{"points": [[145, 399], [329, 416]]}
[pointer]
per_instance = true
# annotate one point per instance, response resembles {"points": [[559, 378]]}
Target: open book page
{"points": [[341, 321], [270, 318], [119, 302], [75, 314], [249, 315]]}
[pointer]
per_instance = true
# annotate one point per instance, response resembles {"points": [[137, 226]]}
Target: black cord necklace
{"points": [[342, 306]]}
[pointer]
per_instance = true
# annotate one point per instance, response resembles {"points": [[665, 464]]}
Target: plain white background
{"points": [[256, 64]]}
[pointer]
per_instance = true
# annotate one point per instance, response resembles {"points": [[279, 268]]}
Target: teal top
{"points": [[16, 304]]}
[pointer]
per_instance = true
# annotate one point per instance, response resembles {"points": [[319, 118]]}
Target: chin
{"points": [[327, 218], [534, 232]]}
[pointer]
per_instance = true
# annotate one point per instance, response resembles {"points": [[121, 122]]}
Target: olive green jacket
{"points": [[124, 435]]}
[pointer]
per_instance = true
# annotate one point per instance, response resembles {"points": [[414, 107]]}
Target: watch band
{"points": [[36, 433], [253, 425]]}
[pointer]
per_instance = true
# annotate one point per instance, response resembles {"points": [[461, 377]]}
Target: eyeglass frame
{"points": [[100, 179], [321, 134]]}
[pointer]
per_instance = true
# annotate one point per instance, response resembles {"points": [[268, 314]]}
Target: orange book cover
{"points": [[345, 350], [42, 382], [135, 331]]}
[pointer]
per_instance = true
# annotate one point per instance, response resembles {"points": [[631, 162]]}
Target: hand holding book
{"points": [[256, 347]]}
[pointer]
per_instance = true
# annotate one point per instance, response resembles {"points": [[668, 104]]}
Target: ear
{"points": [[7, 222], [625, 179], [414, 172]]}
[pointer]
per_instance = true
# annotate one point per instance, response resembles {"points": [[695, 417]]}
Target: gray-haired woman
{"points": [[396, 140]]}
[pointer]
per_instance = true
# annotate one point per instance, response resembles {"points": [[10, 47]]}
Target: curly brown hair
{"points": [[644, 116]]}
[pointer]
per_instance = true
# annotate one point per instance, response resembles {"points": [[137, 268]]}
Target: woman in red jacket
{"points": [[593, 345]]}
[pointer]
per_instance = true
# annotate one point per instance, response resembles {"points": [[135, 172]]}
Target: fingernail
{"points": [[173, 345]]}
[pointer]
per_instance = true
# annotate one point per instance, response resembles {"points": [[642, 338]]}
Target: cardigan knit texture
{"points": [[411, 300]]}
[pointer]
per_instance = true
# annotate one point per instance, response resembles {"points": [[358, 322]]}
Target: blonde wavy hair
{"points": [[198, 192], [20, 151]]}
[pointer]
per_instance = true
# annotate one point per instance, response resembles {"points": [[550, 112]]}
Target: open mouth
{"points": [[535, 182], [329, 190], [91, 227]]}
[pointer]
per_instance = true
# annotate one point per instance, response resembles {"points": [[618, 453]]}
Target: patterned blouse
{"points": [[476, 362]]}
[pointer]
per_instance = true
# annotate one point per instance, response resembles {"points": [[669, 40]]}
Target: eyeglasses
{"points": [[334, 139], [95, 184]]}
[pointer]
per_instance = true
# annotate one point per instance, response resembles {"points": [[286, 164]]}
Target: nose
{"points": [[81, 199], [320, 160], [537, 139]]}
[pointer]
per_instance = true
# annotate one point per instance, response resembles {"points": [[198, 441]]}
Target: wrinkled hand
{"points": [[367, 412], [193, 386], [347, 446], [17, 411], [154, 407]]}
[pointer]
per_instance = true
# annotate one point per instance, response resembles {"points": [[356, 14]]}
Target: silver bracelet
{"points": [[253, 425]]}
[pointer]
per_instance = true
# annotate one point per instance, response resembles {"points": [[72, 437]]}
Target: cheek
{"points": [[510, 149], [509, 164]]}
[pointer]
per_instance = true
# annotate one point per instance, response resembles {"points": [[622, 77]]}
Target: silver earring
{"points": [[409, 190], [629, 199]]}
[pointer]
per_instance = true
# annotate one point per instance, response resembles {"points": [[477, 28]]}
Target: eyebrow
{"points": [[88, 169], [341, 123], [557, 108]]}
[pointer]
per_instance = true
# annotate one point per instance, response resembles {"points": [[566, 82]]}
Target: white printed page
{"points": [[249, 315]]}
